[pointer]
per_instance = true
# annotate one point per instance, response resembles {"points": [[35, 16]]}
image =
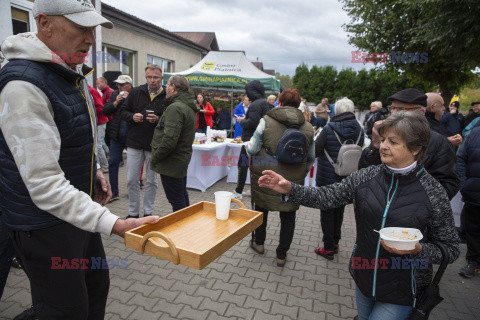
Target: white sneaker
{"points": [[237, 195], [247, 193]]}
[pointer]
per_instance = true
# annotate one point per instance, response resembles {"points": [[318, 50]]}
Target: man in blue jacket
{"points": [[468, 166]]}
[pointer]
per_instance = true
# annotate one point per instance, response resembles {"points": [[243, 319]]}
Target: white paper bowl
{"points": [[401, 238]]}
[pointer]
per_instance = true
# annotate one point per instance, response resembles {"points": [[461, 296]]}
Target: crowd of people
{"points": [[53, 190]]}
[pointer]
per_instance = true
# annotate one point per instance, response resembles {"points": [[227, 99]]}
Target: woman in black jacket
{"points": [[343, 126], [397, 193]]}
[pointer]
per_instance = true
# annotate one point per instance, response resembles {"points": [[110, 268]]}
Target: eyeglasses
{"points": [[396, 108]]}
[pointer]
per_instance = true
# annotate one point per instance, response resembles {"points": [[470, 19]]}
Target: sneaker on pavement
{"points": [[130, 216], [258, 248], [324, 253], [281, 262], [237, 195], [247, 193], [28, 314], [468, 271]]}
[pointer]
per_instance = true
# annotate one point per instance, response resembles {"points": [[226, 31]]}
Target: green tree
{"points": [[285, 80], [447, 30], [301, 79], [343, 85]]}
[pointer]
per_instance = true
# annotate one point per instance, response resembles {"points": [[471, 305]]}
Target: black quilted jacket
{"points": [[412, 200]]}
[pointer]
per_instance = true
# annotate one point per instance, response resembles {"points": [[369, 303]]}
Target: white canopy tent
{"points": [[228, 71]]}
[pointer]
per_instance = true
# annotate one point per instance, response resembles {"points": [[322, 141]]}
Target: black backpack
{"points": [[292, 147]]}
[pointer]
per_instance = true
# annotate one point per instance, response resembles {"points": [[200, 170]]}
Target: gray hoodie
{"points": [[26, 121]]}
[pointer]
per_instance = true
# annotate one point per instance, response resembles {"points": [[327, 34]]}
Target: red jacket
{"points": [[106, 93], [208, 115], [97, 99]]}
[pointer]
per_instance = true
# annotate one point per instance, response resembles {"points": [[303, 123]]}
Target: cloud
{"points": [[281, 33]]}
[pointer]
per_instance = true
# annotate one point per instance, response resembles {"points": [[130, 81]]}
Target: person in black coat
{"points": [[453, 121], [346, 126], [257, 109], [375, 114], [440, 159], [468, 165], [117, 130], [142, 111]]}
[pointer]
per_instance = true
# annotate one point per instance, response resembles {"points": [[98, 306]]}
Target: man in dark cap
{"points": [[440, 159], [476, 113]]}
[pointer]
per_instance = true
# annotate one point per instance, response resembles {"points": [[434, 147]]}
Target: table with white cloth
{"points": [[209, 164], [232, 176]]}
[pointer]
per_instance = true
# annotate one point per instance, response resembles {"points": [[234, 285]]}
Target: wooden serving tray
{"points": [[194, 236]]}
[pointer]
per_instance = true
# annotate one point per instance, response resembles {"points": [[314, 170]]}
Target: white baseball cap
{"points": [[123, 79], [81, 12]]}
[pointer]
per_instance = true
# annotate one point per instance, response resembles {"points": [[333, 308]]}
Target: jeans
{"points": [[135, 159], [331, 220], [59, 292], [176, 192], [287, 229], [102, 157], [472, 230], [243, 164], [369, 309], [7, 253]]}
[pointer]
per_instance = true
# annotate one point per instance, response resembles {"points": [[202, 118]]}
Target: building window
{"points": [[166, 65], [118, 59], [20, 21]]}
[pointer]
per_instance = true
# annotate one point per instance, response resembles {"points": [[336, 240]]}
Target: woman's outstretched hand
{"points": [[276, 182]]}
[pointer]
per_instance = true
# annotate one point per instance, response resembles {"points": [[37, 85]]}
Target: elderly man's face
{"points": [[399, 106], [124, 87], [100, 84], [70, 40]]}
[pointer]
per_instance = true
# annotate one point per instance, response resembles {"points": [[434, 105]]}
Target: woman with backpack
{"points": [[263, 146], [341, 128], [397, 193]]}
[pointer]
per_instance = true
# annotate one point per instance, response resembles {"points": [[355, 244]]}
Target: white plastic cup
{"points": [[222, 204]]}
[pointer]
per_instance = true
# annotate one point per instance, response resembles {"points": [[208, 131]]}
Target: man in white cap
{"points": [[118, 129], [51, 190]]}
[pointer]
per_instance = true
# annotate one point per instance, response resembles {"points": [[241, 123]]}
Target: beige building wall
{"points": [[142, 46]]}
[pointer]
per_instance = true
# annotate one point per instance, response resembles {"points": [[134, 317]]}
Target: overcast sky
{"points": [[281, 33]]}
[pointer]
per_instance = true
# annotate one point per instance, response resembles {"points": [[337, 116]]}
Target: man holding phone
{"points": [[142, 109]]}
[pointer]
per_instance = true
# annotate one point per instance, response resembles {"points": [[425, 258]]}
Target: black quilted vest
{"points": [[71, 115], [410, 208]]}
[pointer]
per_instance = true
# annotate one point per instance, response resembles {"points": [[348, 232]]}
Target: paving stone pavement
{"points": [[242, 284]]}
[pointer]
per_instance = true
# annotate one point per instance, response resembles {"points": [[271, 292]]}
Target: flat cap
{"points": [[411, 96]]}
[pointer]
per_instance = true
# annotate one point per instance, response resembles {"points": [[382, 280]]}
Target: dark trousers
{"points": [[243, 163], [287, 229], [6, 254], [59, 292], [331, 220], [472, 230], [116, 156], [176, 191]]}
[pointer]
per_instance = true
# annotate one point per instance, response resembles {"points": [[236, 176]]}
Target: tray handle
{"points": [[164, 237], [240, 203]]}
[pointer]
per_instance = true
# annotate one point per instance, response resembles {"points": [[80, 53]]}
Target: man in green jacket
{"points": [[172, 140]]}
